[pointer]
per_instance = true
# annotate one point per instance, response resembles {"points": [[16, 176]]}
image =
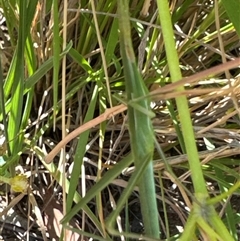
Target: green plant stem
{"points": [[220, 228], [182, 104], [201, 210], [220, 197]]}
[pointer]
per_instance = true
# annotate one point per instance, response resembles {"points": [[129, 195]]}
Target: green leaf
{"points": [[81, 150], [232, 8], [43, 69]]}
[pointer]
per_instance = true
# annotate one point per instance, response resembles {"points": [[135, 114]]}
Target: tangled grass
{"points": [[94, 81]]}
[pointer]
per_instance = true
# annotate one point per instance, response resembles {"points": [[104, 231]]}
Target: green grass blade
{"points": [[100, 185], [78, 58], [140, 126], [36, 76], [232, 8], [18, 84], [80, 151], [43, 69], [2, 108], [56, 59], [229, 211], [10, 77]]}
